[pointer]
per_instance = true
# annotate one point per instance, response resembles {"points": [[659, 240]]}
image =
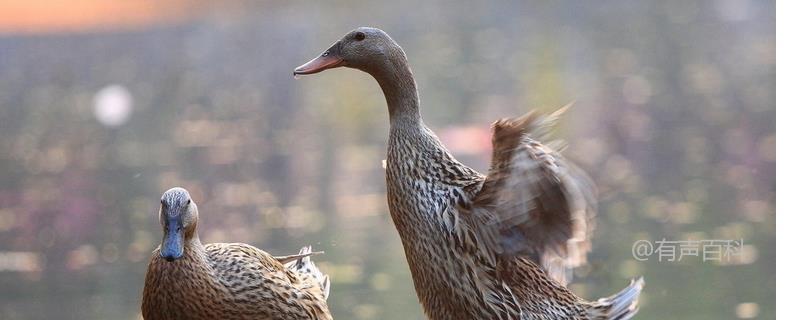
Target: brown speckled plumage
{"points": [[480, 247], [230, 280]]}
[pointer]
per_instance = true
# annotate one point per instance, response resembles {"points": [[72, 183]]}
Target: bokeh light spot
{"points": [[112, 105]]}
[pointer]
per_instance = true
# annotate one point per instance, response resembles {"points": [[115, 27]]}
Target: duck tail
{"points": [[302, 263], [621, 306]]}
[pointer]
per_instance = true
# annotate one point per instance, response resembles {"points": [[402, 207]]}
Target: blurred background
{"points": [[106, 104]]}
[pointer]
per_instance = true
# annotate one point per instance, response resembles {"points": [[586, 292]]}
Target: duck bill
{"points": [[319, 64], [172, 243], [327, 60]]}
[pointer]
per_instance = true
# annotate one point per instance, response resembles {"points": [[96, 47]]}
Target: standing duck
{"points": [[189, 280], [498, 246]]}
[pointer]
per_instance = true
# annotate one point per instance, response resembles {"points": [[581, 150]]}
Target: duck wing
{"points": [[226, 257], [266, 284], [536, 202]]}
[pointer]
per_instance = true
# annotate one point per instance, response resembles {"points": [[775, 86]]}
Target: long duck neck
{"points": [[409, 136], [400, 90]]}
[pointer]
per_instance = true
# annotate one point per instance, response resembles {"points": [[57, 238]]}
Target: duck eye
{"points": [[188, 202], [360, 36]]}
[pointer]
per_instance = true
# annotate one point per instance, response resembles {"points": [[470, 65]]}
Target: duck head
{"points": [[178, 217], [367, 49]]}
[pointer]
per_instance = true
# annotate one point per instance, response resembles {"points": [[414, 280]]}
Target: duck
{"points": [[189, 280], [494, 246]]}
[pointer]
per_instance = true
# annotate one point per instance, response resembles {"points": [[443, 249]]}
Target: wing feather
{"points": [[540, 205]]}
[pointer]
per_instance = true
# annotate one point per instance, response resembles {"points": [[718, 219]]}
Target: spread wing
{"points": [[540, 205]]}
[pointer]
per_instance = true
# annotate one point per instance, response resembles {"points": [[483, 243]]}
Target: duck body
{"points": [[229, 281], [495, 246], [458, 272], [232, 281]]}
